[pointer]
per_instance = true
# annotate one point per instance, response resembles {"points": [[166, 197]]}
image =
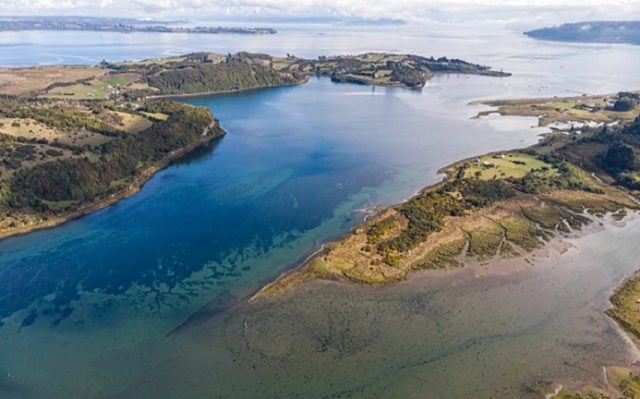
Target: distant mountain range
{"points": [[591, 32]]}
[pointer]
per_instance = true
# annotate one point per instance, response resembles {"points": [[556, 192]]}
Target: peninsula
{"points": [[625, 32], [505, 205], [502, 204], [74, 139]]}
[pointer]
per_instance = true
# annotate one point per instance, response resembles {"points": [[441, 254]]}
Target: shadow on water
{"points": [[198, 153], [66, 290]]}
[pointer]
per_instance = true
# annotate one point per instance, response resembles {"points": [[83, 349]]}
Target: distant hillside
{"points": [[591, 32], [123, 25]]}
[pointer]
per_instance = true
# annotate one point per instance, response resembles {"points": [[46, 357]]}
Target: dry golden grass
{"points": [[155, 115], [565, 109], [152, 61], [31, 129], [28, 128], [19, 81], [131, 123], [141, 86]]}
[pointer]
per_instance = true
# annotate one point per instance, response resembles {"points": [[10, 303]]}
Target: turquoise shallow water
{"points": [[296, 169], [514, 331], [89, 308]]}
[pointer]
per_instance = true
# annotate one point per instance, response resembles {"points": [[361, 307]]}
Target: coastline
{"points": [[574, 112], [304, 272], [130, 190], [299, 266], [147, 174], [141, 179], [211, 93], [514, 269]]}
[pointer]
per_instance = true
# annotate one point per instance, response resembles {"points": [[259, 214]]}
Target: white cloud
{"points": [[451, 10]]}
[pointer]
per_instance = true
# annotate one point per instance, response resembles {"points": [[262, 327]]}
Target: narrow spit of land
{"points": [[501, 204], [504, 205]]}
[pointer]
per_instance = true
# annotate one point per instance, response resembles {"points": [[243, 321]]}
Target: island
{"points": [[122, 25], [626, 32], [74, 139]]}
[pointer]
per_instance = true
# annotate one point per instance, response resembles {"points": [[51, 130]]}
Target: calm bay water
{"points": [[88, 308]]}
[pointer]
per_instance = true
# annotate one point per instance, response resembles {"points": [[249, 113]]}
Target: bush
{"points": [[619, 157], [624, 104]]}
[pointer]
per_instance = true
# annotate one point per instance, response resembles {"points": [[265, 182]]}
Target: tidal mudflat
{"points": [[500, 330]]}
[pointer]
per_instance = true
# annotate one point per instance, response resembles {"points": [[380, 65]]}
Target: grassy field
{"points": [[28, 128], [119, 79], [95, 89], [58, 205], [131, 123], [20, 81], [279, 63], [151, 61], [100, 88], [626, 305], [155, 116], [506, 165], [121, 183]]}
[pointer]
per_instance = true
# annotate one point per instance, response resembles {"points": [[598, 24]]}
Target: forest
{"points": [[49, 177]]}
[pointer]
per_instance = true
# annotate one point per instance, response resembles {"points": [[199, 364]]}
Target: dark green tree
{"points": [[623, 104], [620, 157]]}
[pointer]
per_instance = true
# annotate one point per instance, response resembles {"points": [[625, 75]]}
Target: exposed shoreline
{"points": [[130, 190], [572, 111], [300, 268], [500, 267]]}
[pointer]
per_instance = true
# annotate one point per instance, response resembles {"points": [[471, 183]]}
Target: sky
{"points": [[507, 12]]}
